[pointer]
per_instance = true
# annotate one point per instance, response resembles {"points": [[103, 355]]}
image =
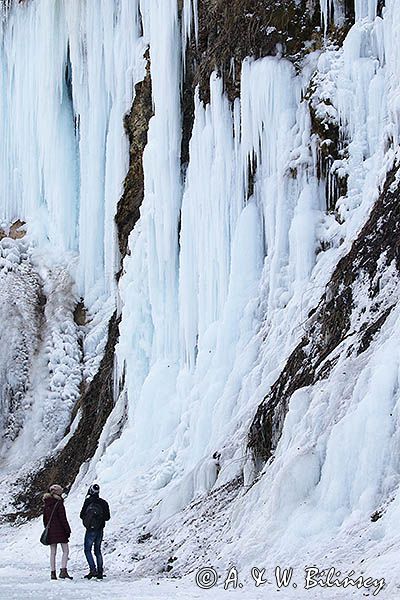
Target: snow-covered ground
{"points": [[24, 573]]}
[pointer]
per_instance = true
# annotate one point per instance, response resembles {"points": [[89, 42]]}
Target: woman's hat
{"points": [[56, 489]]}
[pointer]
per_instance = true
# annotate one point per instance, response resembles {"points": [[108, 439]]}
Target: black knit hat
{"points": [[94, 489]]}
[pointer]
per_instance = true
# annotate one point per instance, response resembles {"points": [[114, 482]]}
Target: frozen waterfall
{"points": [[229, 258]]}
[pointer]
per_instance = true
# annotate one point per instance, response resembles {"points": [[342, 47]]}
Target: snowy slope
{"points": [[223, 269]]}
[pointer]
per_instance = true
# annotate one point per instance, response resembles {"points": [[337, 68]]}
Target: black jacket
{"points": [[97, 500]]}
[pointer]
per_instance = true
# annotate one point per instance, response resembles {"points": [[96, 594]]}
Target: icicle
{"points": [[149, 343], [207, 226], [332, 11], [366, 8], [189, 21]]}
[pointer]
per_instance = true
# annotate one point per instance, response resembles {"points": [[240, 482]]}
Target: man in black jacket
{"points": [[94, 514]]}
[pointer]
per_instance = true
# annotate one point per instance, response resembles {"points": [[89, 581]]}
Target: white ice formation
{"points": [[220, 275]]}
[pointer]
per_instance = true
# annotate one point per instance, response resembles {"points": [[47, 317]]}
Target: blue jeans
{"points": [[94, 537]]}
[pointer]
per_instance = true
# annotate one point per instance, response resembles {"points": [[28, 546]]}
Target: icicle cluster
{"points": [[63, 95], [334, 11]]}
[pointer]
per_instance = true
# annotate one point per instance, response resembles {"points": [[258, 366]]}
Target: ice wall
{"points": [[193, 306], [254, 254]]}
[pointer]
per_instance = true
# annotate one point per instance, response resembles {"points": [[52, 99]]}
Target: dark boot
{"points": [[90, 575], [64, 574], [53, 575], [99, 574]]}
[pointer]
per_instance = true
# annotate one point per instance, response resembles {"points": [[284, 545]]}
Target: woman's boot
{"points": [[64, 574], [53, 575]]}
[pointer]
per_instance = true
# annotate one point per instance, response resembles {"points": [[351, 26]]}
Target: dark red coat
{"points": [[59, 529]]}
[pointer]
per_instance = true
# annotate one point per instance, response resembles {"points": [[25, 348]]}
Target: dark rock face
{"points": [[230, 32], [376, 247], [136, 127], [380, 6]]}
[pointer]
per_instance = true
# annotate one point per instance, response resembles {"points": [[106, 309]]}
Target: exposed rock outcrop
{"points": [[228, 33], [373, 252], [16, 231], [136, 127]]}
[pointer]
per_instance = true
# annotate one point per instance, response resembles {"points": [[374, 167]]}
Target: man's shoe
{"points": [[53, 575], [99, 574], [91, 574]]}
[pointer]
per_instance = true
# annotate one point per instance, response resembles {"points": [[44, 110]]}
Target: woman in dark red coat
{"points": [[59, 529]]}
